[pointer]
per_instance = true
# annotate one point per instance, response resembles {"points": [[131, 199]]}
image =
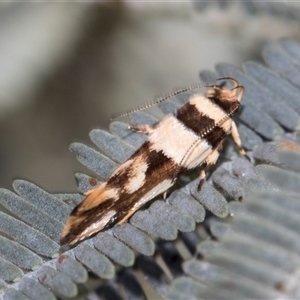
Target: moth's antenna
{"points": [[240, 92], [160, 99], [235, 82]]}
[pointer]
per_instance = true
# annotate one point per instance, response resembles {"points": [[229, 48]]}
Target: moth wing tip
{"points": [[64, 241], [67, 239]]}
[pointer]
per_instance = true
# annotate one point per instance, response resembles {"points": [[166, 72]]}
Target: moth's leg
{"points": [[147, 129], [210, 160], [165, 195], [202, 177], [236, 138]]}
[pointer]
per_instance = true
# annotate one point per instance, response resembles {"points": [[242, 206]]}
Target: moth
{"points": [[190, 138]]}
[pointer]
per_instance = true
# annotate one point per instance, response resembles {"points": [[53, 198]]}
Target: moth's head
{"points": [[229, 99]]}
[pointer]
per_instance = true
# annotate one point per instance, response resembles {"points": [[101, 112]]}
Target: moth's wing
{"points": [[153, 191], [145, 175], [90, 216]]}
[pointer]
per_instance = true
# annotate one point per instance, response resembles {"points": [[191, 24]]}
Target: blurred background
{"points": [[66, 67]]}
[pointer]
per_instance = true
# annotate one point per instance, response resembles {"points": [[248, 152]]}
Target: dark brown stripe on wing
{"points": [[167, 170], [157, 163], [195, 120], [160, 166], [122, 175], [119, 179], [202, 125]]}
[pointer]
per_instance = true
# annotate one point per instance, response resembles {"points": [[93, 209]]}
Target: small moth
{"points": [[190, 138]]}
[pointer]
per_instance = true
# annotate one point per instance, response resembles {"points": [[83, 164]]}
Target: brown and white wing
{"points": [[145, 175]]}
